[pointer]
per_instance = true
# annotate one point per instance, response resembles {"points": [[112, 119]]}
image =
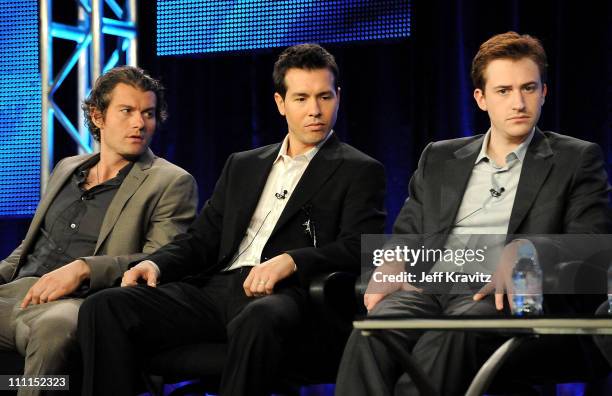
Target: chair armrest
{"points": [[334, 292], [577, 277], [575, 287]]}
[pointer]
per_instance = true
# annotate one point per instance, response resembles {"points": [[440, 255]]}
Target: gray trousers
{"points": [[449, 359], [44, 333]]}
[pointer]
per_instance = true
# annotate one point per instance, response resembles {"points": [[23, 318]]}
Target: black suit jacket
{"points": [[341, 191], [563, 187]]}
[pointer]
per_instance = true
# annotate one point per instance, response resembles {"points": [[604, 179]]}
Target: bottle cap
{"points": [[526, 250]]}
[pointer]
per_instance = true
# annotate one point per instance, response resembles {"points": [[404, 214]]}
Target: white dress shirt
{"points": [[285, 174]]}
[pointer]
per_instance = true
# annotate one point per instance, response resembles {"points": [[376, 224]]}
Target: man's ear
{"points": [[280, 103], [97, 118], [544, 92], [480, 99]]}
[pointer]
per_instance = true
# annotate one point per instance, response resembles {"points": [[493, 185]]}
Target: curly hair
{"points": [[100, 96]]}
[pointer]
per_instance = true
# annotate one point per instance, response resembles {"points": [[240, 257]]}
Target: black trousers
{"points": [[120, 326], [449, 359]]}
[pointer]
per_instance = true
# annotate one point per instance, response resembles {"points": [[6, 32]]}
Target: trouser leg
{"points": [[368, 365], [46, 336], [118, 327], [256, 336], [451, 358], [11, 295]]}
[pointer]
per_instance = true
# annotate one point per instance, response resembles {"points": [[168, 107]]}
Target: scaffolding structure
{"points": [[89, 57]]}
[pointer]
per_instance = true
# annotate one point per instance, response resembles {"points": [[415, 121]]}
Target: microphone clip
{"points": [[281, 196], [497, 193]]}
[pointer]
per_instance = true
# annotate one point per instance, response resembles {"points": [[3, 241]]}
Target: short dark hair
{"points": [[100, 96], [509, 45], [302, 56]]}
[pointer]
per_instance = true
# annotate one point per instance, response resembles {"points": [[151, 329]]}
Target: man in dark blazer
{"points": [[515, 179], [278, 216], [99, 212]]}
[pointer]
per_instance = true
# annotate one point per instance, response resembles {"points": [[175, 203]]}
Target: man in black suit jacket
{"points": [[515, 179], [278, 216]]}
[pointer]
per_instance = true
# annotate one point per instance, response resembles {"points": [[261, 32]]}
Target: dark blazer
{"points": [[563, 187], [341, 191]]}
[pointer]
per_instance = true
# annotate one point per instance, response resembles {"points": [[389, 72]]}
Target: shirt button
{"points": [[73, 226], [59, 250]]}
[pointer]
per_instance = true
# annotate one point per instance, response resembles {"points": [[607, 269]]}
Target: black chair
{"points": [[314, 360]]}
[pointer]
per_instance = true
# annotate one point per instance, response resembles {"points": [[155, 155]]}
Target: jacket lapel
{"points": [[60, 176], [533, 174], [251, 188], [132, 182], [322, 166], [454, 181]]}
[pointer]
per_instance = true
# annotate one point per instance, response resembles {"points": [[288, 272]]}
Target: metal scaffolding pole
{"points": [[89, 57], [46, 68]]}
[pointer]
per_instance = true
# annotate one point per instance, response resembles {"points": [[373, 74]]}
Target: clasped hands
{"points": [[260, 282]]}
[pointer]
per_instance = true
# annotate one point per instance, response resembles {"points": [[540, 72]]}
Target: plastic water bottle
{"points": [[527, 282], [610, 289]]}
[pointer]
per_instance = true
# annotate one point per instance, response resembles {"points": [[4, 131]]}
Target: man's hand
{"points": [[377, 291], [371, 299], [143, 270], [263, 277], [501, 281], [57, 283]]}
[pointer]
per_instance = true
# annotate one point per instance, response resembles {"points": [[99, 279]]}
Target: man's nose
{"points": [[314, 108], [518, 101], [138, 120]]}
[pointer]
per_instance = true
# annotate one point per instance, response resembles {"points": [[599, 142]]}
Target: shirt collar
{"points": [[518, 152], [82, 171], [309, 155]]}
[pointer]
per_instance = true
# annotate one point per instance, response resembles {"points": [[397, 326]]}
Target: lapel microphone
{"points": [[281, 196], [497, 193]]}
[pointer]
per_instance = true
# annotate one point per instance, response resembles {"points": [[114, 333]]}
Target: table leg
{"points": [[487, 372]]}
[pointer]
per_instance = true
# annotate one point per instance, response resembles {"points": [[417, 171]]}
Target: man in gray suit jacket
{"points": [[99, 213], [515, 179]]}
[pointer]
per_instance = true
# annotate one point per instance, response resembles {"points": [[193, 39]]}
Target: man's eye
{"points": [[326, 97], [530, 88], [502, 91], [300, 99], [125, 111], [149, 114]]}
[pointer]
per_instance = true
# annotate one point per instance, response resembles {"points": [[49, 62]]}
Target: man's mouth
{"points": [[523, 117]]}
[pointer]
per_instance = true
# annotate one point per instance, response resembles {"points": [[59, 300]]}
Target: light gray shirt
{"points": [[485, 209], [486, 206]]}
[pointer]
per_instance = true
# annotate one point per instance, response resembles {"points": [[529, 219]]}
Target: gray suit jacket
{"points": [[156, 201]]}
